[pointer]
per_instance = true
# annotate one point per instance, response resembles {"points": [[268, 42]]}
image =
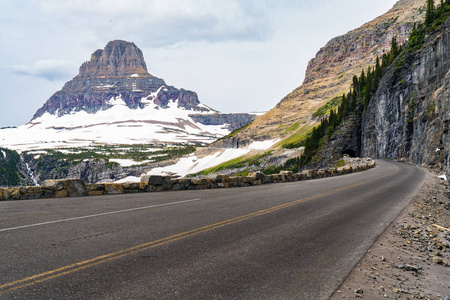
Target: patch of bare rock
{"points": [[411, 259]]}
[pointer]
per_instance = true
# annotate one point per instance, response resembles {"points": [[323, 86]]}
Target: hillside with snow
{"points": [[119, 124]]}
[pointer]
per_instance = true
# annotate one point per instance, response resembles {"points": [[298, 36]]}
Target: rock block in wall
{"points": [[33, 192], [277, 178], [288, 175], [235, 181], [12, 193], [263, 178], [26, 193], [181, 184], [67, 187], [95, 189], [113, 188], [132, 187], [321, 173], [221, 181], [157, 181], [201, 183]]}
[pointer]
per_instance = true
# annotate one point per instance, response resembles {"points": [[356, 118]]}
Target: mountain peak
{"points": [[118, 58], [117, 71]]}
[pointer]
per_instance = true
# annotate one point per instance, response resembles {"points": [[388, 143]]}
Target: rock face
{"points": [[409, 117], [89, 171], [345, 140], [330, 72], [119, 70], [233, 121]]}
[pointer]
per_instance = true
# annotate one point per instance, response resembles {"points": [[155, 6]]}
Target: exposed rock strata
{"points": [[409, 117], [117, 70], [232, 121], [90, 171]]}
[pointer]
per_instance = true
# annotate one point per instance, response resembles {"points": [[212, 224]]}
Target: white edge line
{"points": [[98, 215]]}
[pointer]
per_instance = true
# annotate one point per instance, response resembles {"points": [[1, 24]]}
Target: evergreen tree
{"points": [[429, 15], [378, 71], [395, 49]]}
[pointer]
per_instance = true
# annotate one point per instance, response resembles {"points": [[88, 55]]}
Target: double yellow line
{"points": [[19, 284]]}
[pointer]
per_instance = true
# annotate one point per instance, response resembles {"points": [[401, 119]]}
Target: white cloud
{"points": [[159, 23], [51, 70]]}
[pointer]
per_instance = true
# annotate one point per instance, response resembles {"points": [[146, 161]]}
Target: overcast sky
{"points": [[238, 55]]}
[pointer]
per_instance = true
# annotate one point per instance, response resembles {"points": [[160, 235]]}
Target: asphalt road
{"points": [[278, 241]]}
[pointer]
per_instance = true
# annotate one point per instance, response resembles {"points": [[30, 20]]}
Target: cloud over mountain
{"points": [[165, 22], [51, 70]]}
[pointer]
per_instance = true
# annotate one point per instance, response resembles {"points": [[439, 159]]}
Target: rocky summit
{"points": [[117, 70]]}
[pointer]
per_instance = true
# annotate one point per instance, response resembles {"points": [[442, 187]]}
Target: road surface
{"points": [[278, 241]]}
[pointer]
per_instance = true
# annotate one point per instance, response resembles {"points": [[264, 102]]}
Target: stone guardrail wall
{"points": [[152, 183]]}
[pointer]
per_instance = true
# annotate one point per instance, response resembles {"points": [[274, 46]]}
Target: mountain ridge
{"points": [[329, 75]]}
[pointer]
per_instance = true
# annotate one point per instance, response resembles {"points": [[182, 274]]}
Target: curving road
{"points": [[279, 241]]}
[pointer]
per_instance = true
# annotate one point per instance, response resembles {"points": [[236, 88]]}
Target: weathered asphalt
{"points": [[279, 241]]}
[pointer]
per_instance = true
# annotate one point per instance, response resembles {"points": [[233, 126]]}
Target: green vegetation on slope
{"points": [[325, 109], [236, 163], [290, 165], [9, 172]]}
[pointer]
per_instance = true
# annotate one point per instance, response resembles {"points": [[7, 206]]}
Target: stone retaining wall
{"points": [[152, 183]]}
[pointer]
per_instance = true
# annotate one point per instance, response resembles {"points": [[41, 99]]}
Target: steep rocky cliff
{"points": [[409, 117], [329, 74]]}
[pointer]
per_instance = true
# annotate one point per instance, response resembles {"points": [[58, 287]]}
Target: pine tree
{"points": [[395, 49], [429, 16], [378, 71]]}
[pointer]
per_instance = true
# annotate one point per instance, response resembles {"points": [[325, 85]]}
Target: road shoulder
{"points": [[411, 259]]}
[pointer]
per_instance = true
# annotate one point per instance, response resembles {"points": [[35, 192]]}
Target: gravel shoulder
{"points": [[411, 259]]}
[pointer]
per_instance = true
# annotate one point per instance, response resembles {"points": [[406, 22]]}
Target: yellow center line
{"points": [[18, 284]]}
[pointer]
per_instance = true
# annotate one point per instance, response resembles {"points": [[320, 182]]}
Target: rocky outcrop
{"points": [[231, 121], [119, 70], [409, 117], [89, 170], [330, 72], [119, 58], [346, 140]]}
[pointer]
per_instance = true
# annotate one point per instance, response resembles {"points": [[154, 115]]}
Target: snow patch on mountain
{"points": [[192, 164], [119, 124]]}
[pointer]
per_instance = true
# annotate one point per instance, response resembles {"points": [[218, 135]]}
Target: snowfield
{"points": [[262, 145], [119, 124], [192, 164]]}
